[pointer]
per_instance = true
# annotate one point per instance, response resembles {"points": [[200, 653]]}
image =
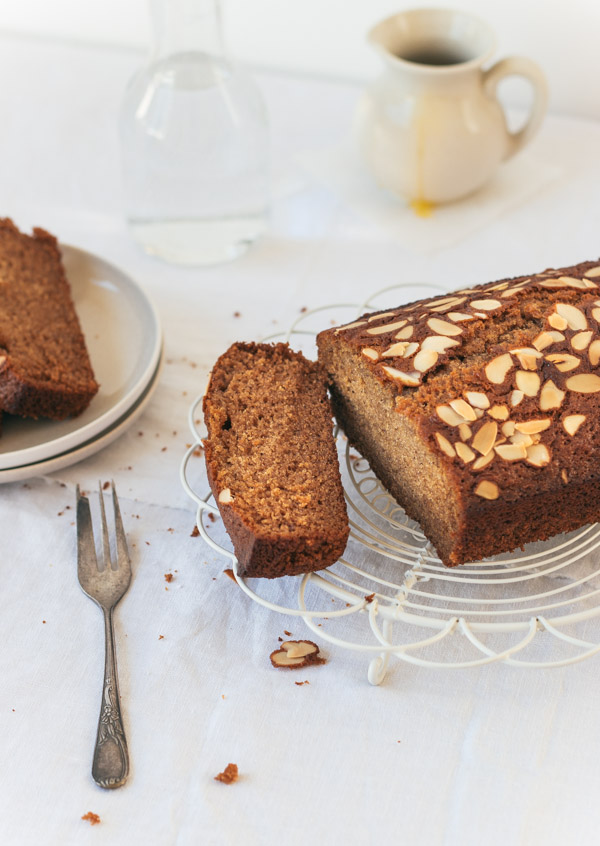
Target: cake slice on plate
{"points": [[45, 369]]}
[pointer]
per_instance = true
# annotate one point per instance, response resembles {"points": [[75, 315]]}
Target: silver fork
{"points": [[105, 582]]}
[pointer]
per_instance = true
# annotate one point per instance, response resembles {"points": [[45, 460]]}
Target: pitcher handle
{"points": [[518, 66]]}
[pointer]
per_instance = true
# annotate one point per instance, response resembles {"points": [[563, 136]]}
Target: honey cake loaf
{"points": [[45, 369], [479, 411], [271, 460]]}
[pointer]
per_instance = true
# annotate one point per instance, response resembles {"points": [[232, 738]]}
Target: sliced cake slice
{"points": [[271, 460], [45, 369]]}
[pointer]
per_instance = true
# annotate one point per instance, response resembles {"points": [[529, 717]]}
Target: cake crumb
{"points": [[229, 572], [106, 486], [306, 681], [92, 818], [161, 637], [229, 774], [370, 597], [296, 654], [168, 577], [286, 633], [195, 532]]}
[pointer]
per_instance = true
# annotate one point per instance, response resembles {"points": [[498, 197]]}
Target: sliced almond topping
{"points": [[500, 287], [499, 412], [442, 327], [551, 396], [464, 452], [557, 322], [508, 428], [532, 427], [511, 452], [564, 477], [425, 360], [451, 303], [387, 327], [449, 416], [396, 350], [538, 455], [563, 361], [477, 399], [527, 357], [350, 326], [226, 497], [581, 340], [479, 413], [526, 351], [594, 271], [405, 333], [498, 367], [484, 460], [481, 314], [565, 282], [464, 409], [521, 438], [438, 343], [457, 316], [485, 437], [485, 305], [596, 314], [465, 432], [382, 316], [446, 301], [572, 423], [528, 382], [516, 397], [409, 379], [574, 316], [546, 339], [510, 292], [445, 445], [487, 489], [411, 349], [594, 353], [583, 383], [370, 353]]}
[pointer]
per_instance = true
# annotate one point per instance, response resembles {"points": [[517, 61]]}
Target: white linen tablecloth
{"points": [[495, 755]]}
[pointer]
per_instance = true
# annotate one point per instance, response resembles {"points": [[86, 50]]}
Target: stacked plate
{"points": [[124, 339]]}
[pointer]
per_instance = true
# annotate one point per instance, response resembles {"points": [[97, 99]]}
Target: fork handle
{"points": [[111, 759]]}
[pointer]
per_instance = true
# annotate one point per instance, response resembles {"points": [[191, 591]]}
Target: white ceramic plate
{"points": [[66, 459], [124, 339]]}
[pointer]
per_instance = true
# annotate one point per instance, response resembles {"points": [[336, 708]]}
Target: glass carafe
{"points": [[194, 142]]}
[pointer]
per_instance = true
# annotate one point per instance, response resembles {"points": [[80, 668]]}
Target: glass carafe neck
{"points": [[181, 26]]}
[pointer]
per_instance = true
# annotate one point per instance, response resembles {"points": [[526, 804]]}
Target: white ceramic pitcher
{"points": [[431, 128]]}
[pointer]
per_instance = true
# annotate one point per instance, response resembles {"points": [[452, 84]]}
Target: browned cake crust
{"points": [[480, 410], [45, 370], [271, 460]]}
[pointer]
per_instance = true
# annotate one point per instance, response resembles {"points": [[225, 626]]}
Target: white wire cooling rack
{"points": [[389, 595]]}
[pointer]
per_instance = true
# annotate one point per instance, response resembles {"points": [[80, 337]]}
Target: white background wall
{"points": [[327, 36]]}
